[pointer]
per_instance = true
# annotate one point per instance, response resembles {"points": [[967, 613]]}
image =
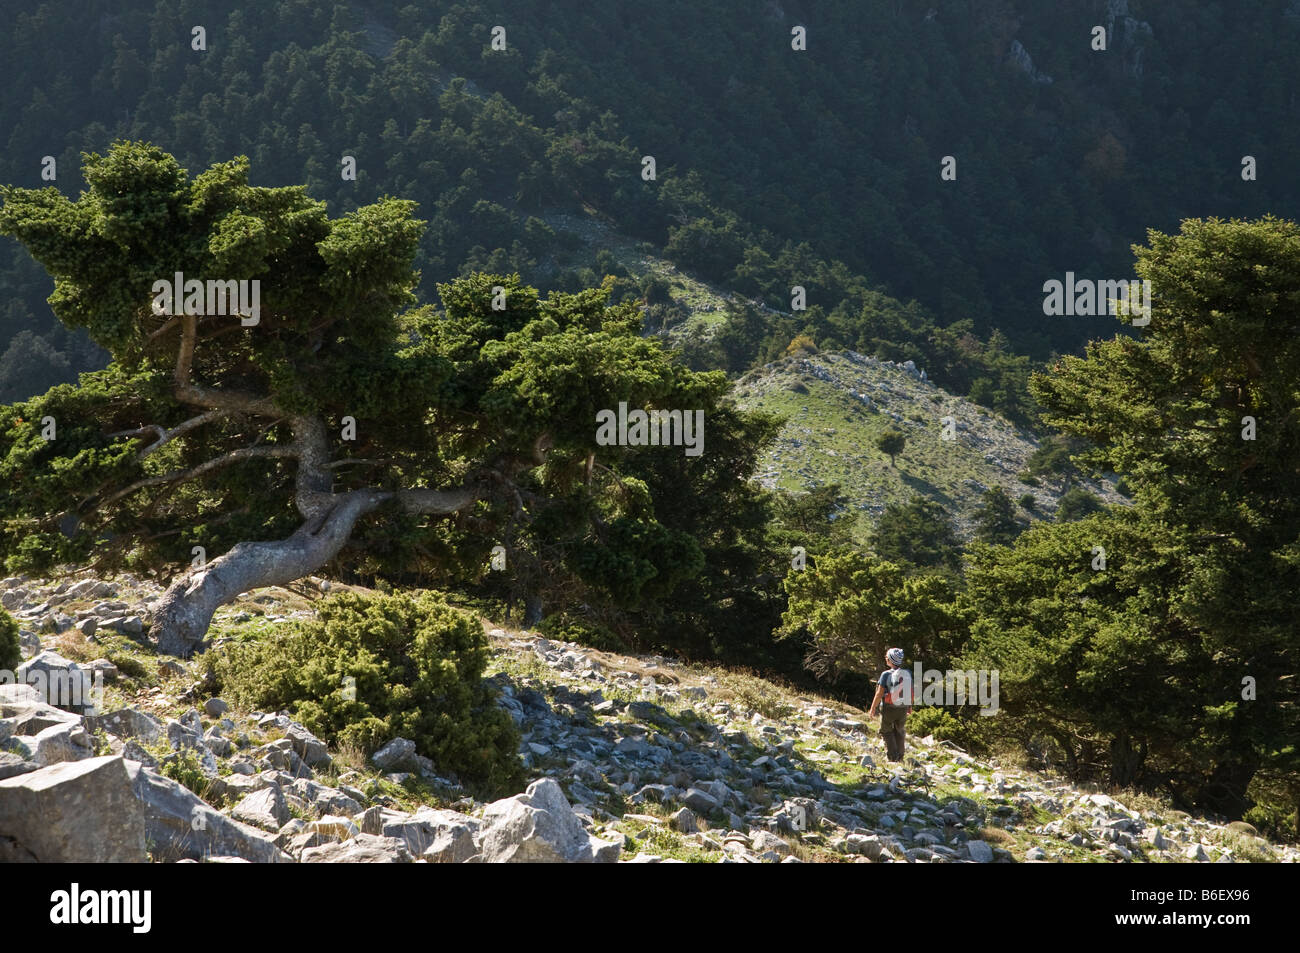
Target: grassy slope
{"points": [[836, 405]]}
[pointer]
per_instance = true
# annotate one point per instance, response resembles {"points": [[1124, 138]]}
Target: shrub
{"points": [[945, 726], [801, 344], [417, 665], [1075, 504], [570, 628], [127, 665], [185, 768], [10, 656], [1027, 501]]}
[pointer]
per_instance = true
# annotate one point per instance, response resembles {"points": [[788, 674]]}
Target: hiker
{"points": [[893, 700]]}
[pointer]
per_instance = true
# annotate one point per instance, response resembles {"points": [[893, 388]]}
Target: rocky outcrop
{"points": [[179, 824], [539, 826], [82, 812], [955, 448]]}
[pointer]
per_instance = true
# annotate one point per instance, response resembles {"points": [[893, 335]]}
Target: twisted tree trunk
{"points": [[180, 618]]}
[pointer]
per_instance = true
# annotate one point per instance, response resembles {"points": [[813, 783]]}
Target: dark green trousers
{"points": [[893, 721]]}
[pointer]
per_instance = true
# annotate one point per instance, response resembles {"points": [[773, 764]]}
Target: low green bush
{"points": [[946, 726], [10, 656], [185, 768], [372, 668], [570, 628]]}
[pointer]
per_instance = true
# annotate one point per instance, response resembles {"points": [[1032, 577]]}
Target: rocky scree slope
{"points": [[638, 760]]}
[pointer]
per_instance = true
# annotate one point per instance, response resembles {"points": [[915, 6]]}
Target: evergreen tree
{"points": [[918, 533], [334, 422], [1199, 417], [891, 442], [995, 521]]}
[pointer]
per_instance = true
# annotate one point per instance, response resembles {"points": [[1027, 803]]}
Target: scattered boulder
{"points": [[127, 723], [15, 698], [59, 681], [700, 802], [265, 808], [29, 643], [306, 745], [685, 821], [396, 755], [82, 812], [57, 743], [12, 765], [178, 824], [361, 849], [763, 841], [33, 718], [132, 751], [333, 825], [539, 826], [867, 845], [105, 668], [451, 833]]}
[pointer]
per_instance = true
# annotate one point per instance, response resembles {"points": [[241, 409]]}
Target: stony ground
{"points": [[631, 759]]}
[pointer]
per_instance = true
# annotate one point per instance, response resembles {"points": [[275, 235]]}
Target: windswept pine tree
{"points": [[254, 452]]}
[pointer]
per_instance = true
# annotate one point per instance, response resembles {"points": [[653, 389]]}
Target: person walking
{"points": [[893, 701]]}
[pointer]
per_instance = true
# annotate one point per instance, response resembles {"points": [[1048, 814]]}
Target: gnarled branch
{"points": [[234, 456]]}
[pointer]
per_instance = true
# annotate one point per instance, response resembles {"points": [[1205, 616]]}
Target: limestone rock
{"points": [[685, 821], [265, 809], [395, 755], [78, 812], [361, 849], [179, 824], [451, 833], [333, 825], [539, 826], [12, 765], [307, 746], [867, 845], [127, 723], [59, 681], [700, 802]]}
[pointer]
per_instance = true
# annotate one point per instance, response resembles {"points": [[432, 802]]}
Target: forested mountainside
{"points": [[773, 167]]}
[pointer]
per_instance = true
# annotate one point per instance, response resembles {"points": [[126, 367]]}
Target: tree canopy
{"points": [[267, 442]]}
